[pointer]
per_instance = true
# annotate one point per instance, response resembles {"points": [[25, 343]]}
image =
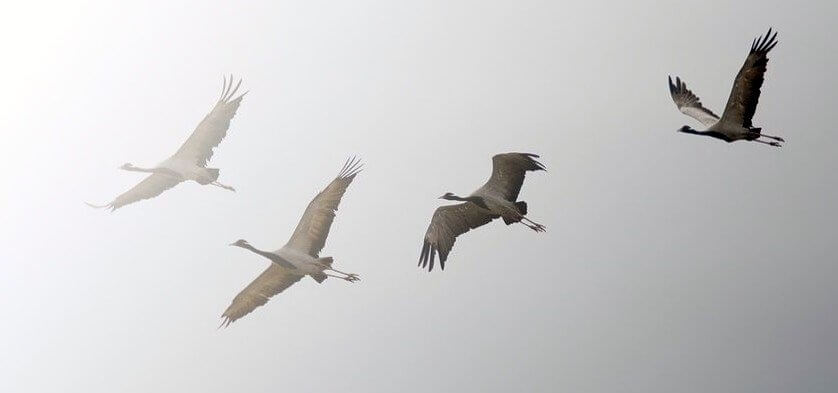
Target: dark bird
{"points": [[735, 123], [300, 256], [497, 198]]}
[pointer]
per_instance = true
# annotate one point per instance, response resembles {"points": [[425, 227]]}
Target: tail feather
{"points": [[522, 207], [326, 261], [319, 277], [213, 173]]}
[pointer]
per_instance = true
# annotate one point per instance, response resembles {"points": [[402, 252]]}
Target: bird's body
{"points": [[496, 198], [190, 161], [300, 256], [735, 124]]}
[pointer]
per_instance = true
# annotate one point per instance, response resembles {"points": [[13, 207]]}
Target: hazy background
{"points": [[673, 263]]}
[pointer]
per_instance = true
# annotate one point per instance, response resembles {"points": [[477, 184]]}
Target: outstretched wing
{"points": [[150, 187], [272, 281], [313, 228], [211, 130], [689, 104], [744, 96], [508, 171], [447, 223]]}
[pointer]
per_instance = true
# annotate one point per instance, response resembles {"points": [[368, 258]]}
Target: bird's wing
{"points": [[211, 130], [508, 171], [313, 228], [150, 187], [689, 104], [447, 223], [744, 96], [272, 281]]}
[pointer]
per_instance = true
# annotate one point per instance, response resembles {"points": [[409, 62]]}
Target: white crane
{"points": [[735, 123], [299, 257], [190, 161], [496, 198]]}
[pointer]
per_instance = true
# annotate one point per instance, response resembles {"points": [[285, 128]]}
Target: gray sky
{"points": [[671, 263]]}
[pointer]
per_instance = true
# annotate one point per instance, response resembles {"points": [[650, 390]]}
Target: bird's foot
{"points": [[352, 277], [776, 144], [537, 227]]}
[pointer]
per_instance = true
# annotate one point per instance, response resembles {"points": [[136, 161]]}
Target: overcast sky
{"points": [[672, 263]]}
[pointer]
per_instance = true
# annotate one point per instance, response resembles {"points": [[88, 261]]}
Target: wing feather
{"points": [[689, 104], [272, 281], [150, 187], [447, 223], [313, 228], [742, 103], [508, 172], [213, 128]]}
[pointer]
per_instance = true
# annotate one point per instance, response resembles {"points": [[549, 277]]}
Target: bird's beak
{"points": [[232, 244]]}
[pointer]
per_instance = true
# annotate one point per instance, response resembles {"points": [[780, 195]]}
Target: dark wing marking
{"points": [[447, 223], [508, 172], [744, 96]]}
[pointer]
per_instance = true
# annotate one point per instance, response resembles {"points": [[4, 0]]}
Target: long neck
{"points": [[265, 254], [712, 134], [473, 199], [138, 169]]}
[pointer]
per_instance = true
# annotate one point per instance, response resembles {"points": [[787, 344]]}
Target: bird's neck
{"points": [[712, 134], [265, 254], [138, 169], [473, 199]]}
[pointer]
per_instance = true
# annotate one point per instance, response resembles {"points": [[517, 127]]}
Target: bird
{"points": [[300, 256], [735, 123], [190, 161], [497, 198]]}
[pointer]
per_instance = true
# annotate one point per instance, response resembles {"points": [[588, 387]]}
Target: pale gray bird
{"points": [[497, 198], [190, 161], [300, 256], [735, 123]]}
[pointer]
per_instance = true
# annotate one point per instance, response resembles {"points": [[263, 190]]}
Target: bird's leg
{"points": [[535, 226], [775, 144], [215, 183], [350, 277], [776, 138]]}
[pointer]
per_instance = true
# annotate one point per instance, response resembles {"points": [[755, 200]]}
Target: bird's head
{"points": [[240, 243], [686, 129], [448, 195], [127, 166]]}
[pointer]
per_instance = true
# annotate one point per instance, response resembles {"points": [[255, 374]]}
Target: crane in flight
{"points": [[735, 123], [300, 256], [190, 161], [497, 198]]}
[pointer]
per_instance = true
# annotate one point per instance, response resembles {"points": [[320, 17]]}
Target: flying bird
{"points": [[300, 256], [735, 123], [497, 198], [190, 161]]}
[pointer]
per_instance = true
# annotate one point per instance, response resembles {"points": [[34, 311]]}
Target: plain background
{"points": [[672, 263]]}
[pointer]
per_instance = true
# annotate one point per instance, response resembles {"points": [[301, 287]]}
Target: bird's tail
{"points": [[522, 207], [326, 261], [319, 277], [213, 173]]}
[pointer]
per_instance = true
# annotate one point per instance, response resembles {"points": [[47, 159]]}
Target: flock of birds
{"points": [[497, 198]]}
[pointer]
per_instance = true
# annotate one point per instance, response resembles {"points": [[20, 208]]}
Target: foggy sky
{"points": [[672, 263]]}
